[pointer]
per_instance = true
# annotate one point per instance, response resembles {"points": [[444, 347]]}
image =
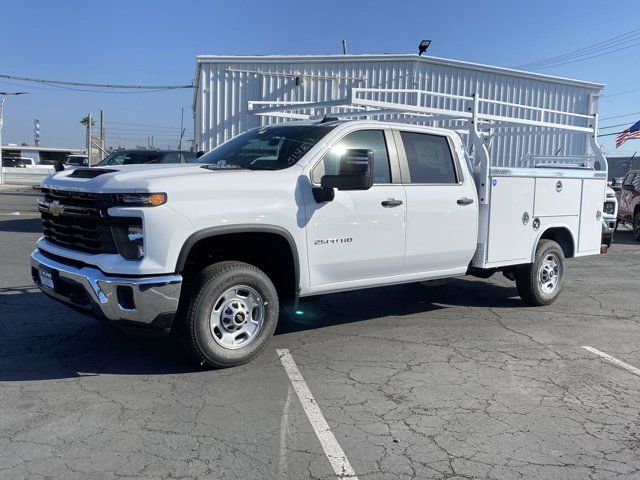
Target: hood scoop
{"points": [[90, 172]]}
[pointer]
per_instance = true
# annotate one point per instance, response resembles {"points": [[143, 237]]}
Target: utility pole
{"points": [[101, 135], [89, 140], [181, 128], [3, 97]]}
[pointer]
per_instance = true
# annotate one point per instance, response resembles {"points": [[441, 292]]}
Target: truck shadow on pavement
{"points": [[41, 340], [624, 237], [397, 301], [22, 225]]}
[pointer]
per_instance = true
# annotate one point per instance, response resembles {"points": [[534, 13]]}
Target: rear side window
{"points": [[636, 181], [429, 158]]}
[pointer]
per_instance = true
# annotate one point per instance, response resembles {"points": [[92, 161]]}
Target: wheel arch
{"points": [[562, 235], [220, 232]]}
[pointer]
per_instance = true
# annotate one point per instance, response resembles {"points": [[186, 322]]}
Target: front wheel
{"points": [[231, 315], [541, 282], [636, 226]]}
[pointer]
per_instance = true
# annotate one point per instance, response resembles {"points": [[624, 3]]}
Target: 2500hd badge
{"points": [[331, 241]]}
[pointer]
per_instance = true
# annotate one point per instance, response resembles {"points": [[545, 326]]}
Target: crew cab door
{"points": [[358, 235], [442, 204]]}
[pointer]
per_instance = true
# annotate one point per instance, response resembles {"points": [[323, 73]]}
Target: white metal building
{"points": [[226, 84]]}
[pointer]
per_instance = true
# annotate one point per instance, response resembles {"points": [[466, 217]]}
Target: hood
{"points": [[174, 178], [128, 178]]}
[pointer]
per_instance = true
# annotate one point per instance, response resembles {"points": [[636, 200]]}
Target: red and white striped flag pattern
{"points": [[628, 134]]}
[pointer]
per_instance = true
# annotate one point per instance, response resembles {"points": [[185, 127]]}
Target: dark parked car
{"points": [[133, 157], [629, 201], [77, 161]]}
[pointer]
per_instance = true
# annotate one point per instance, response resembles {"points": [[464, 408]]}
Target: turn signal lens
{"points": [[156, 199], [140, 199]]}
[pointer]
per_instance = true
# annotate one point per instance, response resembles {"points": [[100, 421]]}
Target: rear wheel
{"points": [[636, 226], [231, 315], [541, 282]]}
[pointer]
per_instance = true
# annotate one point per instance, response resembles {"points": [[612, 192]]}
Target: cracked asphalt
{"points": [[452, 381]]}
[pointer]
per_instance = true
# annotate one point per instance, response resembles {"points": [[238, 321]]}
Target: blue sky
{"points": [[155, 42]]}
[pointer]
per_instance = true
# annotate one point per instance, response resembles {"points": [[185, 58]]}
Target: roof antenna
{"points": [[344, 47]]}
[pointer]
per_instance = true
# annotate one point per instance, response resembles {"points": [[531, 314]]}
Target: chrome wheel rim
{"points": [[549, 273], [237, 317]]}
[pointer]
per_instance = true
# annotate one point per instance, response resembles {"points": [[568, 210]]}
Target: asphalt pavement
{"points": [[452, 381]]}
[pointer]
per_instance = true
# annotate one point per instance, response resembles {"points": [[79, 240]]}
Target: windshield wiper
{"points": [[258, 167], [214, 166]]}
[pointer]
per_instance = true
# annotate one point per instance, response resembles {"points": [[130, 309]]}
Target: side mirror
{"points": [[356, 171]]}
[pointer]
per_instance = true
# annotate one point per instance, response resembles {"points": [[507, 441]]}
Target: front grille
{"points": [[87, 234], [79, 221]]}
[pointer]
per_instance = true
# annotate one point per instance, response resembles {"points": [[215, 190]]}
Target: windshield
{"points": [[124, 157], [267, 148]]}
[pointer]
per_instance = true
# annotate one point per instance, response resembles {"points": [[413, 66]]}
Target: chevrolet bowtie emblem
{"points": [[55, 208]]}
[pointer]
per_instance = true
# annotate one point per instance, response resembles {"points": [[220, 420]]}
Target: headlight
{"points": [[609, 208], [139, 199], [129, 238]]}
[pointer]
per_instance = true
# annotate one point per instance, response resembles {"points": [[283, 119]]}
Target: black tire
{"points": [[528, 277], [208, 287], [636, 226]]}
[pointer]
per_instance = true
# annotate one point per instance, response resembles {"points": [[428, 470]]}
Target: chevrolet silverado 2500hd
{"points": [[303, 208]]}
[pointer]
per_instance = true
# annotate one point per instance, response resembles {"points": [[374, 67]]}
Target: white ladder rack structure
{"points": [[483, 116]]}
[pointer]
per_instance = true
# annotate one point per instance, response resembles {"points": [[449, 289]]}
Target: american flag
{"points": [[632, 132]]}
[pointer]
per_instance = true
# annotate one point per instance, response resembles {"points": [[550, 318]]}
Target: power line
{"points": [[621, 93], [585, 58], [613, 126], [99, 85], [620, 116], [587, 52]]}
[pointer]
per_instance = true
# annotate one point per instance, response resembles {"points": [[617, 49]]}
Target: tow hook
{"points": [[604, 248]]}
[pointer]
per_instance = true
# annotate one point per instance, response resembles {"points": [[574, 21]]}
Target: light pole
{"points": [[3, 97]]}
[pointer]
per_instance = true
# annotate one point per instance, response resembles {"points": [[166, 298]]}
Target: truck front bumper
{"points": [[129, 302]]}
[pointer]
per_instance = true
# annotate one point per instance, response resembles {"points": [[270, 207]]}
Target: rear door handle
{"points": [[465, 201], [391, 202]]}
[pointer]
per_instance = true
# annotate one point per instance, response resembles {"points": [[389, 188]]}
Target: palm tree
{"points": [[85, 120]]}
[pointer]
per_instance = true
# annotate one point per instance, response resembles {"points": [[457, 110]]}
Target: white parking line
{"points": [[615, 361], [332, 449]]}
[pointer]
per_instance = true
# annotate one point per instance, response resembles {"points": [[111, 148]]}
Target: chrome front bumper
{"points": [[126, 301]]}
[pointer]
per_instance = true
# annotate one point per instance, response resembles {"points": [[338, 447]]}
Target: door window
{"points": [[366, 139], [429, 158]]}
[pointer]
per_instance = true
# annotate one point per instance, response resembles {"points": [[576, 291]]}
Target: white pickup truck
{"points": [[215, 250]]}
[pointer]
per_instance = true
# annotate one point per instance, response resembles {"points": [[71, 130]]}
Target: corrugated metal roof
{"points": [[385, 57]]}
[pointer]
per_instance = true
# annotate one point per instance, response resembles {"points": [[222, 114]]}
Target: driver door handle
{"points": [[465, 201], [391, 202]]}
